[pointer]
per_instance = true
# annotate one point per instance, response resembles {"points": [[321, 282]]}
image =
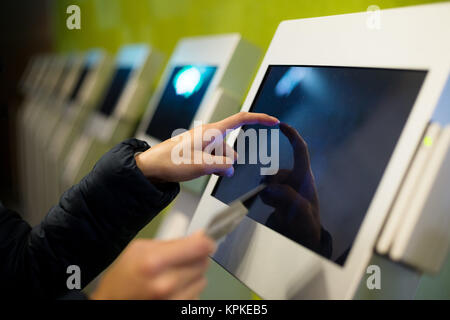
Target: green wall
{"points": [[111, 23]]}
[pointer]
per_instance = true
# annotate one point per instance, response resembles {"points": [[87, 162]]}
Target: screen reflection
{"points": [[339, 128]]}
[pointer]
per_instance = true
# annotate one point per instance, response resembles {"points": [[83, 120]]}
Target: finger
{"points": [[182, 251], [229, 151], [300, 151], [178, 278], [222, 166], [242, 118], [302, 178], [221, 148], [192, 291], [282, 177], [283, 196], [227, 172]]}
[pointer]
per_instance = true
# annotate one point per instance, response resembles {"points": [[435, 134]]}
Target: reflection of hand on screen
{"points": [[351, 119], [292, 193]]}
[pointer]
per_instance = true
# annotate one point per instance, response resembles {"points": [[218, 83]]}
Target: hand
{"points": [[293, 195], [197, 152], [151, 269]]}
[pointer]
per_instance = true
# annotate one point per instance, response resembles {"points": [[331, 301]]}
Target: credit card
{"points": [[228, 219]]}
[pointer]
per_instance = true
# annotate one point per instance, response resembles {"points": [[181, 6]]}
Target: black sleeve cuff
{"points": [[118, 194]]}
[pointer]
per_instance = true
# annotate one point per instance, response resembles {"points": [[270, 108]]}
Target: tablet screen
{"points": [[115, 89], [180, 100], [344, 125]]}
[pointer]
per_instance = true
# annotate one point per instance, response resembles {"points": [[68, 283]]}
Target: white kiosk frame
{"points": [[100, 68], [408, 38], [99, 130]]}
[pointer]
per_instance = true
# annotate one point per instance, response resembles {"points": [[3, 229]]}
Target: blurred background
{"points": [[30, 27]]}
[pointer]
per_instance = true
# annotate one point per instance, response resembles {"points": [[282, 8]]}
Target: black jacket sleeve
{"points": [[90, 226]]}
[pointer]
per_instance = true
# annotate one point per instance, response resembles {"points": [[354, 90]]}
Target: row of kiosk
{"points": [[364, 100], [80, 105]]}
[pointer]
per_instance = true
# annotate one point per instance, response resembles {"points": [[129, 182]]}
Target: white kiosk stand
{"points": [[114, 119], [28, 78], [205, 80], [46, 125], [362, 100], [31, 86], [86, 94], [50, 90]]}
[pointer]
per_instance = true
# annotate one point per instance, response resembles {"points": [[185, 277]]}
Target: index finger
{"points": [[300, 150], [242, 118]]}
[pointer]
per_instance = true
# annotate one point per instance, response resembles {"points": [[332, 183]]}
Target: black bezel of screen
{"points": [[80, 81]]}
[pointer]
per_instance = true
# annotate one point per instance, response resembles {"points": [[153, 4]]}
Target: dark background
{"points": [[26, 31]]}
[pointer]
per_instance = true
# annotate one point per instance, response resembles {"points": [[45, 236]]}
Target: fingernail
{"points": [[212, 246]]}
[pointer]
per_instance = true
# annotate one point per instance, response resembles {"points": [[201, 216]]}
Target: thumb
{"points": [[283, 196], [222, 166], [225, 172]]}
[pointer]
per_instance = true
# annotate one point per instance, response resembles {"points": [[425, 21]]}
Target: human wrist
{"points": [[147, 166]]}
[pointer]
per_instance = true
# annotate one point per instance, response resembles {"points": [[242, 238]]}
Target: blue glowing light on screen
{"points": [[188, 81], [290, 80]]}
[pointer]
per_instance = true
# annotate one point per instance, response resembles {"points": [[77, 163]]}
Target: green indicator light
{"points": [[427, 141]]}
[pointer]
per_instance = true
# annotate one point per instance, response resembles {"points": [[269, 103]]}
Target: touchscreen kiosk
{"points": [[132, 81], [205, 80], [27, 80], [48, 79], [86, 94], [351, 122], [32, 84], [36, 84], [115, 117], [52, 80], [47, 124]]}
